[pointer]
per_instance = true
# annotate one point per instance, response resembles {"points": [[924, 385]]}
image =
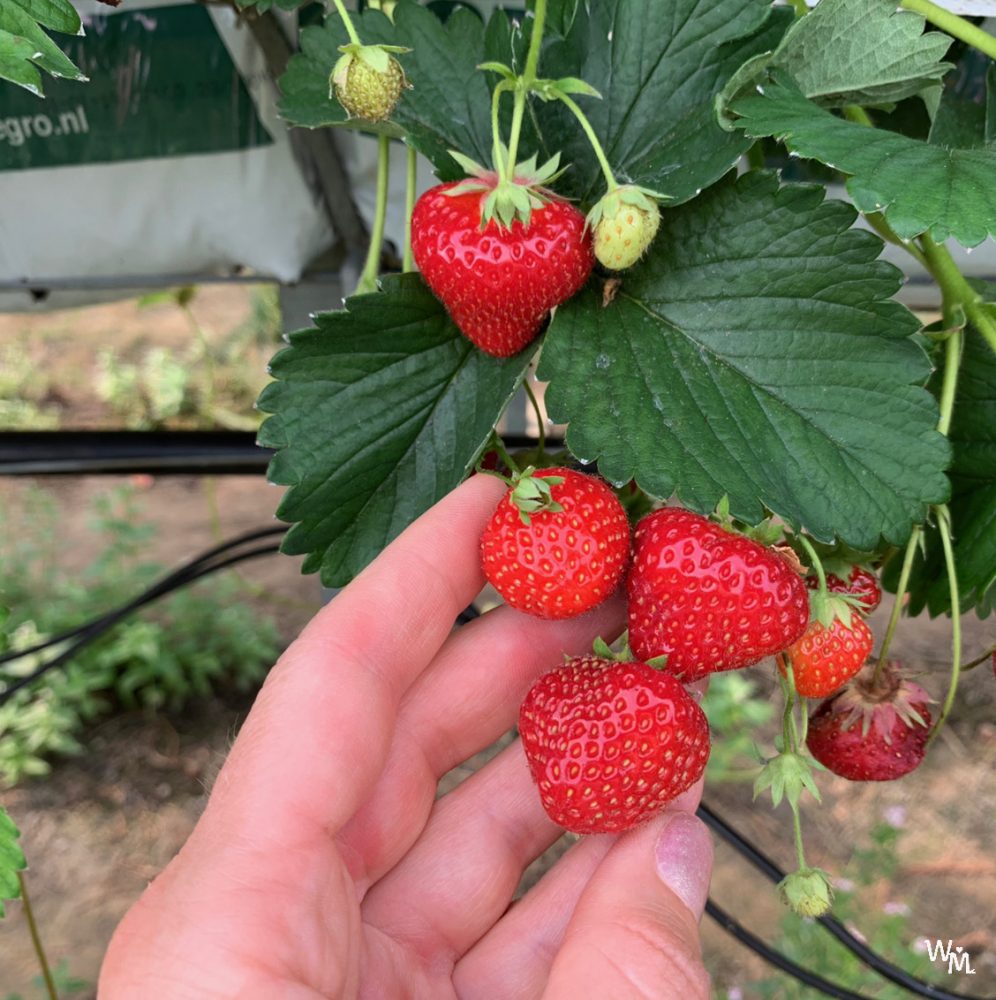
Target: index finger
{"points": [[318, 735]]}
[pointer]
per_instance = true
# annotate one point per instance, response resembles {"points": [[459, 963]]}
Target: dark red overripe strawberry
{"points": [[826, 658], [499, 284], [557, 544], [707, 599], [610, 744], [875, 729], [860, 583]]}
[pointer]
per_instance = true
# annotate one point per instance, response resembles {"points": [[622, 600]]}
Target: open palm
{"points": [[324, 866]]}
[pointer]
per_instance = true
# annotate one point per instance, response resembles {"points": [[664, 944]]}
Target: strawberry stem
{"points": [[411, 185], [979, 660], [815, 562], [957, 291], [347, 22], [897, 604], [596, 146], [496, 145], [944, 529], [541, 431], [525, 82], [368, 279], [510, 463], [36, 941]]}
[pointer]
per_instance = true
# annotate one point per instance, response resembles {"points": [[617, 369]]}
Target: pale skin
{"points": [[324, 866]]}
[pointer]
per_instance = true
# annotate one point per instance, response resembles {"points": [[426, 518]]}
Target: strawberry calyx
{"points": [[826, 608], [808, 892], [787, 776], [624, 654], [377, 57], [878, 698], [767, 532], [617, 199], [508, 198], [532, 494]]}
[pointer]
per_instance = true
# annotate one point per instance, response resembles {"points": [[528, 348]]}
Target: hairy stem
{"points": [[499, 446], [347, 22], [411, 183], [944, 529], [897, 604], [541, 432], [815, 562], [596, 146], [496, 156], [368, 279], [956, 290], [790, 744], [800, 8], [36, 941], [526, 81], [953, 25]]}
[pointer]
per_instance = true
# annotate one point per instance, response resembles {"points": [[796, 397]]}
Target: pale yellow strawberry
{"points": [[623, 238]]}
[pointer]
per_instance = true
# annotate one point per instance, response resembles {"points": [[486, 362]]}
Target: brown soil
{"points": [[106, 822]]}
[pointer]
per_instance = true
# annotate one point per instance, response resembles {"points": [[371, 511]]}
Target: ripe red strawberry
{"points": [[860, 583], [557, 544], [707, 599], [873, 730], [499, 284], [610, 744], [825, 659]]}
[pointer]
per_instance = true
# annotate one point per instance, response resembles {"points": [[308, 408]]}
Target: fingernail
{"points": [[684, 859]]}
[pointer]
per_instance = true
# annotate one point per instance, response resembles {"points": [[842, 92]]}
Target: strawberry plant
{"points": [[714, 336]]}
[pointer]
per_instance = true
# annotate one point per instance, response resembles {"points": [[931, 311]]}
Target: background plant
{"points": [[212, 382], [200, 640]]}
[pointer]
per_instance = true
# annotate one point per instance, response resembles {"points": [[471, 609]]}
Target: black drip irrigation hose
{"points": [[97, 627], [208, 562], [830, 923], [774, 957]]}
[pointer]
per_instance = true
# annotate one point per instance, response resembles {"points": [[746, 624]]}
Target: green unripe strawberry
{"points": [[625, 223], [368, 81]]}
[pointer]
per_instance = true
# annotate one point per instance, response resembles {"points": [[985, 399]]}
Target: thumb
{"points": [[634, 934]]}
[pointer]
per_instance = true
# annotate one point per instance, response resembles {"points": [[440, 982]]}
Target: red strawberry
{"points": [[557, 545], [707, 599], [824, 659], [498, 283], [874, 729], [860, 583], [610, 744]]}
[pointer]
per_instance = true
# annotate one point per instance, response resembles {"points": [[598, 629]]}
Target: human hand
{"points": [[324, 866]]}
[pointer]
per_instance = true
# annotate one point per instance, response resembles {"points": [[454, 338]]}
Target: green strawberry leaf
{"points": [[755, 353], [658, 67], [11, 860], [919, 186], [973, 503], [962, 121], [377, 413], [16, 54], [21, 18], [449, 103], [59, 15], [853, 52]]}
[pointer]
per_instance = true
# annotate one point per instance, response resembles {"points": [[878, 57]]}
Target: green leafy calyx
{"points": [[508, 198], [532, 494]]}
